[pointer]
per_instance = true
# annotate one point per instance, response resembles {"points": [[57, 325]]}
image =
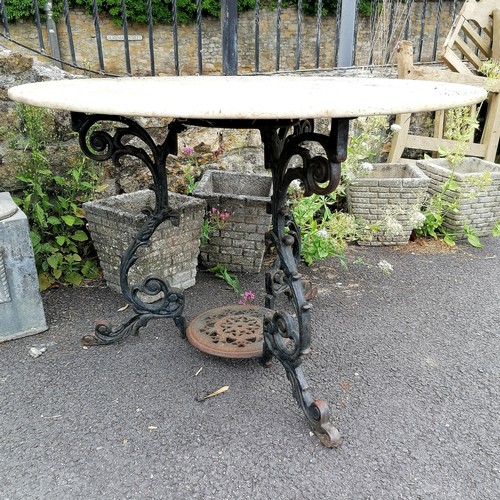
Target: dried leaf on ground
{"points": [[212, 394]]}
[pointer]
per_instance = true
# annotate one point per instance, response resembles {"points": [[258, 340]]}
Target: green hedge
{"points": [[162, 9]]}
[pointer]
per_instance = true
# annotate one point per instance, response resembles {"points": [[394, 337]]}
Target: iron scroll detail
{"points": [[101, 145], [286, 337]]}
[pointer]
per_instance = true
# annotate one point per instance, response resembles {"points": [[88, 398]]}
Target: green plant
{"points": [[23, 9], [472, 237], [191, 171], [53, 205], [326, 228], [367, 139], [434, 211], [491, 70], [221, 272], [162, 10], [215, 220], [324, 232], [190, 175], [310, 7], [460, 125]]}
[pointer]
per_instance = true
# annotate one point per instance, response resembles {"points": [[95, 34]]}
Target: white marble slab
{"points": [[249, 97]]}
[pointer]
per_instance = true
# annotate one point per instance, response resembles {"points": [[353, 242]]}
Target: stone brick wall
{"points": [[114, 53], [15, 69]]}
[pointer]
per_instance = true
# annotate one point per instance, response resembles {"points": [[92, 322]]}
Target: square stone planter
{"points": [[388, 198], [478, 202], [172, 253], [239, 245]]}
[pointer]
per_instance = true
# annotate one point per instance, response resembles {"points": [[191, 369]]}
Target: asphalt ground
{"points": [[408, 362]]}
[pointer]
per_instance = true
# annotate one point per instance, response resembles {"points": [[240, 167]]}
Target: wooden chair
{"points": [[475, 35]]}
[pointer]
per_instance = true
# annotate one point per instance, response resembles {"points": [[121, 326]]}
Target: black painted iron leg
{"points": [[286, 337], [100, 145]]}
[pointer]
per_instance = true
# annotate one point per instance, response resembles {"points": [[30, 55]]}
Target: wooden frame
{"points": [[478, 24]]}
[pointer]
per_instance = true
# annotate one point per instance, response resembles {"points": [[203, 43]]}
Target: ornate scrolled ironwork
{"points": [[285, 338], [101, 145]]}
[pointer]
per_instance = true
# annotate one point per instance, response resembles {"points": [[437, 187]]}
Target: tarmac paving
{"points": [[408, 362]]}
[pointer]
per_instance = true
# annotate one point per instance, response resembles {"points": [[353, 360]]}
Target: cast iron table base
{"points": [[286, 337]]}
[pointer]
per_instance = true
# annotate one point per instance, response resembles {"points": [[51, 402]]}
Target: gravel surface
{"points": [[408, 362]]}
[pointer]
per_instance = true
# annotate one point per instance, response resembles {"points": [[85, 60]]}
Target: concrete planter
{"points": [[388, 198], [21, 307], [478, 201], [172, 253], [239, 245]]}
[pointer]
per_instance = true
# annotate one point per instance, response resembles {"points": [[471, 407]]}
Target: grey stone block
{"points": [[21, 308]]}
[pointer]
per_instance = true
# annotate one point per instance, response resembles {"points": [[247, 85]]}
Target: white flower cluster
{"points": [[416, 219], [392, 227], [385, 267], [366, 167]]}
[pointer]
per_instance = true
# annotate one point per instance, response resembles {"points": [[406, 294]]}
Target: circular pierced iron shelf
{"points": [[233, 331]]}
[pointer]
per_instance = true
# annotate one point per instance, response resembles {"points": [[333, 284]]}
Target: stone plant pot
{"points": [[239, 245], [389, 197], [478, 203], [172, 253]]}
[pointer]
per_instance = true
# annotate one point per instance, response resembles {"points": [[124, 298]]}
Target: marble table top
{"points": [[246, 97]]}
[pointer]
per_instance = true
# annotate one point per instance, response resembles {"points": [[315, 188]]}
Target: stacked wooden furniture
{"points": [[473, 39]]}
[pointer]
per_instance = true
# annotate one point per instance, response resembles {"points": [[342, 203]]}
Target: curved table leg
{"points": [[285, 337], [100, 145]]}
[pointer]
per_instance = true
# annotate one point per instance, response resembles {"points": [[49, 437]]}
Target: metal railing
{"points": [[331, 41]]}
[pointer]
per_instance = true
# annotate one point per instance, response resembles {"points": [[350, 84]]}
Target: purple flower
{"points": [[187, 150], [246, 297]]}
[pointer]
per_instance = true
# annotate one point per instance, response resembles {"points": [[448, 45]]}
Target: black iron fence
{"points": [[258, 41]]}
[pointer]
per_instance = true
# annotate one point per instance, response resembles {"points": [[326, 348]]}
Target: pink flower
{"points": [[246, 297], [187, 150]]}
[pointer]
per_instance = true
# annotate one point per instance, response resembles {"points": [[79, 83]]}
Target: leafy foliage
{"points": [[436, 208], [324, 232], [460, 125], [162, 9], [53, 205], [221, 272]]}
